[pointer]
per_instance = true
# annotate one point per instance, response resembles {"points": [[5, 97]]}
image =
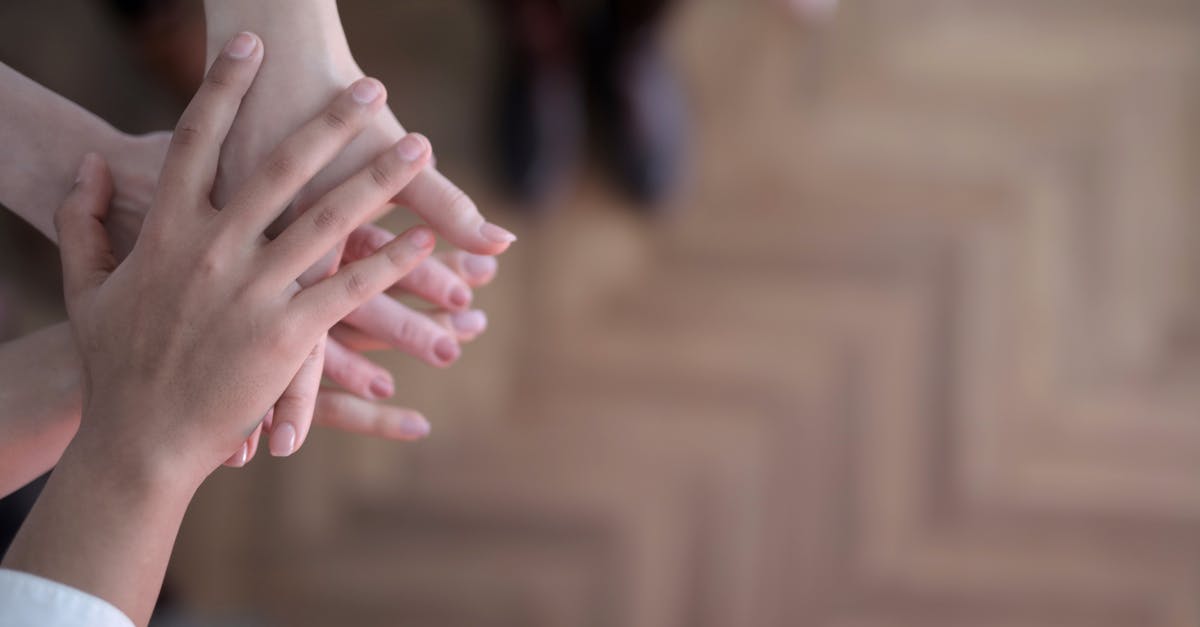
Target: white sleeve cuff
{"points": [[31, 601]]}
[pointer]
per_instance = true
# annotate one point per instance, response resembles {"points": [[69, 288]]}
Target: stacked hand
{"points": [[445, 281], [189, 343], [207, 332]]}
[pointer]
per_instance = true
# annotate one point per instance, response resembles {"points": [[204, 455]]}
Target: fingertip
{"points": [[421, 237], [283, 440], [242, 46], [367, 90]]}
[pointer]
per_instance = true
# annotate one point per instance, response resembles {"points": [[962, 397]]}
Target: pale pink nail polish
{"points": [[365, 91], [421, 238], [411, 147], [446, 350], [243, 455], [382, 387], [459, 296], [283, 440], [469, 322], [241, 46], [493, 233], [479, 266]]}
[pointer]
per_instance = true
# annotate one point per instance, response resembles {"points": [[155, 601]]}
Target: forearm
{"points": [[39, 403], [105, 526], [287, 27], [44, 137]]}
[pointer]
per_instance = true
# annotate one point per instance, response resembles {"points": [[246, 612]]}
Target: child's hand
{"points": [[192, 339]]}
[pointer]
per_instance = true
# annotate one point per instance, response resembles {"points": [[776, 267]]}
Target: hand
{"points": [[446, 282], [189, 342]]}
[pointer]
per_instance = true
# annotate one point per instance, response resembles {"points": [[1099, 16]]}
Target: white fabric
{"points": [[31, 601]]}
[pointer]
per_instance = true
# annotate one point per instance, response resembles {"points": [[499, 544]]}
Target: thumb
{"points": [[87, 256]]}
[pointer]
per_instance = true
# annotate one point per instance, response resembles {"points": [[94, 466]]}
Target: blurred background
{"points": [[887, 314]]}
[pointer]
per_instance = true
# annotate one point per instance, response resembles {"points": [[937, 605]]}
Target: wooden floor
{"points": [[920, 348]]}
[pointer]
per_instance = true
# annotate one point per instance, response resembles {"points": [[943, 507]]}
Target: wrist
{"points": [[132, 469]]}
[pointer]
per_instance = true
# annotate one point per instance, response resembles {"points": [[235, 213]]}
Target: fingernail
{"points": [[493, 233], [446, 350], [366, 91], [479, 266], [460, 296], [85, 168], [382, 387], [241, 46], [408, 427], [283, 440], [415, 426], [469, 322], [243, 455], [421, 238], [411, 147]]}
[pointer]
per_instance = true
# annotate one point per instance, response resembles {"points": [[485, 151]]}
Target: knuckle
{"points": [[358, 285], [327, 217], [281, 166], [335, 120], [409, 333], [381, 174], [186, 134]]}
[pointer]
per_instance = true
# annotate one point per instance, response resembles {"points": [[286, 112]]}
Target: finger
{"points": [[432, 281], [300, 157], [476, 270], [346, 412], [465, 325], [335, 215], [191, 164], [87, 256], [356, 341], [453, 214], [406, 330], [249, 447], [294, 409], [356, 373], [252, 443], [323, 304]]}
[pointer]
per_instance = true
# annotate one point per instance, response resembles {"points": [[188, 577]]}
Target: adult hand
{"points": [[203, 327]]}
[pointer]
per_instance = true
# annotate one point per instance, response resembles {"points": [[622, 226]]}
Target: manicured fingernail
{"points": [[446, 350], [366, 91], [283, 440], [411, 147], [493, 233], [241, 46], [479, 266], [407, 427], [243, 455], [382, 387], [460, 296], [421, 238], [469, 322], [416, 426]]}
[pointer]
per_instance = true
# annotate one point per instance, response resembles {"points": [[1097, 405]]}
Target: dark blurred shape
{"points": [[560, 58], [168, 36]]}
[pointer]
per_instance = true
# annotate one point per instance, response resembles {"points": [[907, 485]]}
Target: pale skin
{"points": [[179, 366], [309, 61], [39, 397], [45, 131]]}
